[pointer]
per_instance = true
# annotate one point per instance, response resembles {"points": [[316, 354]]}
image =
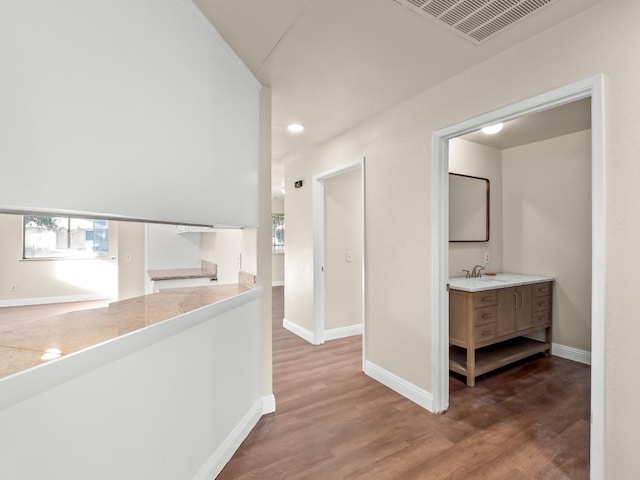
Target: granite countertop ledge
{"points": [[491, 282], [206, 270], [21, 349]]}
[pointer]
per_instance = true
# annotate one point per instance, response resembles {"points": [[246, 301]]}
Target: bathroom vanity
{"points": [[491, 318]]}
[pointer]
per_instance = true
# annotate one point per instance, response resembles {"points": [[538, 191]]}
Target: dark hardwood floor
{"points": [[529, 421]]}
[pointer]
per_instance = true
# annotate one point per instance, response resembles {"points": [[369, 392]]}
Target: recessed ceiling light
{"points": [[493, 129], [295, 128]]}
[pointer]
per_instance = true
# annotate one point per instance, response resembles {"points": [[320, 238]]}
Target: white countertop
{"points": [[490, 282]]}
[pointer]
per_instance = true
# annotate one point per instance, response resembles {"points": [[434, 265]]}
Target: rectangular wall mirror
{"points": [[468, 208]]}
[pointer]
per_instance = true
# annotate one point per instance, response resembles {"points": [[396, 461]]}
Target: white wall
{"points": [[547, 226], [140, 95], [131, 259], [232, 250], [397, 146], [343, 231], [477, 160], [166, 248]]}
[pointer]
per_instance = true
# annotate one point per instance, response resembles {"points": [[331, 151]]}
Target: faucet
{"points": [[467, 275], [477, 271]]}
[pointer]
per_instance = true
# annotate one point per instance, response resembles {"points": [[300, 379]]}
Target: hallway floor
{"points": [[530, 421]]}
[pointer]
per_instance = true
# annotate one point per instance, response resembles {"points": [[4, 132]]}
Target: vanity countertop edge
{"points": [[491, 282]]}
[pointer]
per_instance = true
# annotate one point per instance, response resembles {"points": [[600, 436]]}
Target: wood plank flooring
{"points": [[530, 421]]}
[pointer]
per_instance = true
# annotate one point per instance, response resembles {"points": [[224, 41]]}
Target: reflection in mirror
{"points": [[468, 208]]}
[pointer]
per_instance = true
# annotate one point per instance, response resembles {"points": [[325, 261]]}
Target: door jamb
{"points": [[318, 247], [591, 87]]}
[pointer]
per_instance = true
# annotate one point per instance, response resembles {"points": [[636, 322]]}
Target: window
{"points": [[64, 237], [277, 232]]}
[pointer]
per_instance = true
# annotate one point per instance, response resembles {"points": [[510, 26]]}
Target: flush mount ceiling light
{"points": [[493, 129], [295, 128]]}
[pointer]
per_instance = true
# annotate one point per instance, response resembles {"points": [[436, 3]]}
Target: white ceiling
{"points": [[332, 64], [563, 120]]}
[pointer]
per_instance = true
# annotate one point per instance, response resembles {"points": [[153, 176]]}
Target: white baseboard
{"points": [[406, 389], [570, 353], [216, 462], [268, 404], [277, 283], [342, 332], [22, 302], [300, 331]]}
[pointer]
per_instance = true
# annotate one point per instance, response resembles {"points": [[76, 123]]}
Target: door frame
{"points": [[318, 246], [591, 87]]}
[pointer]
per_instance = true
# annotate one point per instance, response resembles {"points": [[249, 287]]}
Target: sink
{"points": [[491, 279]]}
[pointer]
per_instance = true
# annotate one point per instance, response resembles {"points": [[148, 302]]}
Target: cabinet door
{"points": [[507, 308], [515, 309], [524, 312]]}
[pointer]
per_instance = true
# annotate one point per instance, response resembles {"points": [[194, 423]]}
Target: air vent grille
{"points": [[476, 20]]}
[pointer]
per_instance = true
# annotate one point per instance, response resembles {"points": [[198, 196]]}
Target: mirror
{"points": [[468, 208]]}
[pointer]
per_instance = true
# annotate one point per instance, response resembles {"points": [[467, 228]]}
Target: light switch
{"points": [[349, 256], [127, 257]]}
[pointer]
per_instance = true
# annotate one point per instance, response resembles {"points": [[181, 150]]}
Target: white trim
{"points": [[570, 353], [217, 461], [277, 283], [406, 389], [591, 87], [318, 245], [22, 302], [300, 331], [268, 404], [342, 332]]}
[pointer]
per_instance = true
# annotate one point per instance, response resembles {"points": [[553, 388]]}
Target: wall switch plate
{"points": [[349, 256], [13, 287], [127, 257], [487, 257]]}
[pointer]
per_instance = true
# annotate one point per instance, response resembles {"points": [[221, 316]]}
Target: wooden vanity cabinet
{"points": [[487, 328]]}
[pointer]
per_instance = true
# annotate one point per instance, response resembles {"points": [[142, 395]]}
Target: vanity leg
{"points": [[471, 367]]}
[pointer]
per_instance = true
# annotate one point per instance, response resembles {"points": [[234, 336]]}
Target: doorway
{"points": [[338, 252], [593, 88]]}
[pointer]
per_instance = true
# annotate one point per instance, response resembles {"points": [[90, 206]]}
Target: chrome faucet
{"points": [[467, 275], [477, 271]]}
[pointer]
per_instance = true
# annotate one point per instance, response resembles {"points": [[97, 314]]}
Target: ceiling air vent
{"points": [[476, 20]]}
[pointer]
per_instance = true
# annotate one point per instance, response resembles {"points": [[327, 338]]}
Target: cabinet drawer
{"points": [[485, 332], [541, 318], [542, 303], [486, 298], [541, 289], [482, 316]]}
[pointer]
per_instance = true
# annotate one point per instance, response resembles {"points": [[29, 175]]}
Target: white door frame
{"points": [[591, 87], [318, 246]]}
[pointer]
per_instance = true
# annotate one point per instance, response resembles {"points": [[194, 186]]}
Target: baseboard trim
{"points": [[23, 302], [406, 389], [342, 332], [216, 462], [277, 283], [299, 331], [268, 404], [570, 353]]}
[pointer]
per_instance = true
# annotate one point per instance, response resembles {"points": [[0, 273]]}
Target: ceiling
{"points": [[563, 120], [331, 64]]}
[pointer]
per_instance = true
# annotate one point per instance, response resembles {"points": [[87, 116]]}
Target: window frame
{"points": [[97, 255]]}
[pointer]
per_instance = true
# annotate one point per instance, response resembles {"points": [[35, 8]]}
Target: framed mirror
{"points": [[468, 208]]}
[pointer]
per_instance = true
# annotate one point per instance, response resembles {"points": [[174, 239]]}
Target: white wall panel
{"points": [[125, 108]]}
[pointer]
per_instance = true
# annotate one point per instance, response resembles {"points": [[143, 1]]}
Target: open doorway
{"points": [[589, 88], [338, 221]]}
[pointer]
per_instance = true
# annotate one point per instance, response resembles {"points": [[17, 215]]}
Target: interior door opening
{"points": [[339, 253], [588, 88]]}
